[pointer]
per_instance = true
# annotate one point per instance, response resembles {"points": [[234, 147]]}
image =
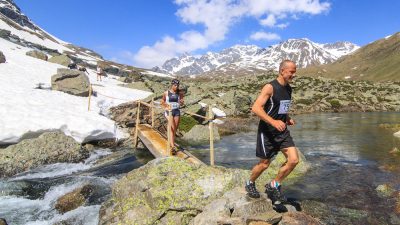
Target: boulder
{"points": [[125, 79], [5, 34], [74, 199], [236, 207], [200, 134], [73, 82], [298, 218], [171, 189], [48, 148], [242, 104], [2, 57], [37, 54], [61, 59]]}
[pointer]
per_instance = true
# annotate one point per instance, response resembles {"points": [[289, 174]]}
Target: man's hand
{"points": [[291, 122], [181, 102], [279, 125]]}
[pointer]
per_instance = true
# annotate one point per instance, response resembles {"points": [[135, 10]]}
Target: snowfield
{"points": [[26, 111]]}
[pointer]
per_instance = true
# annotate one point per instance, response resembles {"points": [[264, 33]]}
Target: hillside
{"points": [[377, 61]]}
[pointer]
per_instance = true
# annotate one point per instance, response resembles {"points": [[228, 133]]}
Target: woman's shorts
{"points": [[175, 112]]}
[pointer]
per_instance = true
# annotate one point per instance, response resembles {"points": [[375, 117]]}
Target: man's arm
{"points": [[258, 108]]}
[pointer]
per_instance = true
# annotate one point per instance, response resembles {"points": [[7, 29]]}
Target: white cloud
{"points": [[217, 17], [270, 21], [261, 35]]}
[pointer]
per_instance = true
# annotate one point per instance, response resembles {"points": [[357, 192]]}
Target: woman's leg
{"points": [[175, 124]]}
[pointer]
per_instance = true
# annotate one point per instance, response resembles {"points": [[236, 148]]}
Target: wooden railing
{"points": [[169, 126]]}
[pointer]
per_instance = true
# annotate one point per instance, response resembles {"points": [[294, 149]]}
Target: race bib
{"points": [[284, 106], [174, 105]]}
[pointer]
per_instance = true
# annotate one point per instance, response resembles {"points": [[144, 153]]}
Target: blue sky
{"points": [[145, 33]]}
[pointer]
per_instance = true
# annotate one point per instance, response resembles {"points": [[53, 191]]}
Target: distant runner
{"points": [[99, 72], [172, 100], [272, 107]]}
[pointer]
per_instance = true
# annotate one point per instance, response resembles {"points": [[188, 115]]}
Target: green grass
{"points": [[187, 123]]}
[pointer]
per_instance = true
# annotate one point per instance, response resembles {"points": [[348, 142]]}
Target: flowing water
{"points": [[348, 152], [349, 155], [30, 198]]}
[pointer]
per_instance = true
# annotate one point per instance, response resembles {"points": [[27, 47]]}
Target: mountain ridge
{"points": [[303, 51]]}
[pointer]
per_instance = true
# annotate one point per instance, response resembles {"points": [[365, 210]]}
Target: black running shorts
{"points": [[269, 144]]}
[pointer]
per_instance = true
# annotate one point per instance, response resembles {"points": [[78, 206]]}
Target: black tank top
{"points": [[172, 97], [277, 106]]}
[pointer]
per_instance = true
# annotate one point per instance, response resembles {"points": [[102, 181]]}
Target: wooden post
{"points": [[169, 132], [90, 95], [211, 127], [135, 137], [152, 112]]}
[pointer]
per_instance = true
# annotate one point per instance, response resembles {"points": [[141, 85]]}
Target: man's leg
{"points": [[273, 189], [255, 173], [258, 169], [292, 159]]}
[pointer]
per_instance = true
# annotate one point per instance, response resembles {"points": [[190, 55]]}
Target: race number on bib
{"points": [[284, 107], [174, 105]]}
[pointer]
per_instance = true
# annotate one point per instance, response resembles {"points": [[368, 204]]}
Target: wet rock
{"points": [[73, 82], [200, 134], [2, 57], [61, 59], [3, 221], [48, 148], [385, 190], [298, 218], [37, 54], [74, 199]]}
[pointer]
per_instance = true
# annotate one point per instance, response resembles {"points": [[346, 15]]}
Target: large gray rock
{"points": [[200, 134], [48, 148], [61, 59], [2, 57], [37, 54], [173, 190], [73, 82]]}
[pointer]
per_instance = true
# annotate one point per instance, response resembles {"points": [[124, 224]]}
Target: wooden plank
{"points": [[152, 140], [157, 144]]}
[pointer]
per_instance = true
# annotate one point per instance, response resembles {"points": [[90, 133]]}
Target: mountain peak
{"points": [[10, 10], [303, 51]]}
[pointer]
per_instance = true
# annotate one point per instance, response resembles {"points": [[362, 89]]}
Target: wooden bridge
{"points": [[158, 144]]}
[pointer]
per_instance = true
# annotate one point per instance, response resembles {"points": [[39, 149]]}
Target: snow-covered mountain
{"points": [[303, 51]]}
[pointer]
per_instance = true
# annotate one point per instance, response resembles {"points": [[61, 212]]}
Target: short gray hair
{"points": [[284, 63]]}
